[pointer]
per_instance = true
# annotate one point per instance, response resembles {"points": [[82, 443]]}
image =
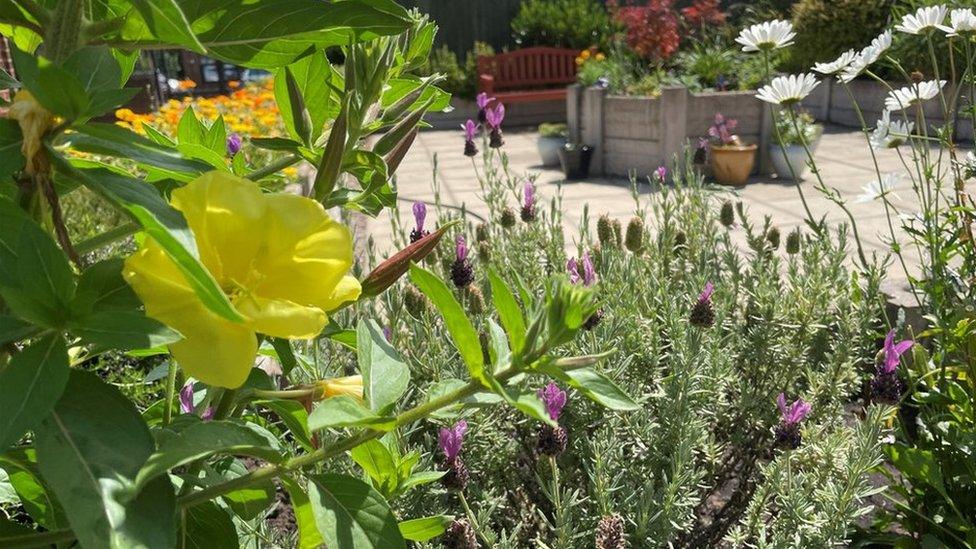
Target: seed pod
{"points": [[604, 231], [635, 235], [727, 214], [773, 237], [481, 233], [610, 533], [618, 233], [475, 299], [793, 242], [415, 302], [508, 218]]}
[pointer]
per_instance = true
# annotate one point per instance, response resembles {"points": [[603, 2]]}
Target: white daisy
{"points": [[881, 187], [910, 95], [890, 134], [969, 165], [923, 19], [961, 21], [766, 36], [836, 65], [866, 57], [787, 90]]}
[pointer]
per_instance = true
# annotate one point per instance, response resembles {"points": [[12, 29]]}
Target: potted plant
{"points": [[552, 137], [791, 137], [731, 161], [575, 160]]}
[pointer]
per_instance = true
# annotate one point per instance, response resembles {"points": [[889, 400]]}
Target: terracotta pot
{"points": [[732, 164]]}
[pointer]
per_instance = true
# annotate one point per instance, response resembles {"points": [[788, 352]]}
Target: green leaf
{"points": [[114, 140], [524, 401], [163, 223], [352, 515], [102, 288], [458, 325], [421, 478], [190, 131], [508, 310], [308, 532], [207, 526], [87, 448], [30, 386], [11, 157], [377, 461], [285, 354], [123, 330], [295, 418], [165, 20], [13, 329], [59, 91], [95, 68], [24, 478], [596, 387], [426, 528], [7, 82], [103, 101], [385, 375], [311, 76], [920, 466], [202, 440], [275, 143], [346, 411]]}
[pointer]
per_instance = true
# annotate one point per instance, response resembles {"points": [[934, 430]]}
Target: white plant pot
{"points": [[796, 158], [549, 149]]}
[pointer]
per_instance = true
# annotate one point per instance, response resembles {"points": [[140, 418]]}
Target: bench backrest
{"points": [[530, 68]]}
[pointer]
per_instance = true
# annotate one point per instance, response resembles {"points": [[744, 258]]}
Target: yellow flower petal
{"points": [[351, 385], [281, 318], [348, 289], [214, 350]]}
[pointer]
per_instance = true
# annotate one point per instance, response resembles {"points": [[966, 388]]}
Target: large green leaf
{"points": [[352, 515], [458, 325], [308, 532], [102, 288], [508, 310], [24, 478], [596, 387], [11, 158], [95, 68], [59, 91], [163, 223], [202, 440], [311, 75], [30, 386], [88, 447], [385, 375], [346, 411], [165, 20], [378, 462], [113, 140], [426, 528], [13, 329], [122, 330], [207, 526]]}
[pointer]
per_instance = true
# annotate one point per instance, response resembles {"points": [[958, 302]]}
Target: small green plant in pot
{"points": [[551, 138], [787, 153]]}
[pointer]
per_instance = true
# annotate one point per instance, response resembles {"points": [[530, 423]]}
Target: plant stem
{"points": [[273, 167], [170, 393], [108, 237], [474, 520]]}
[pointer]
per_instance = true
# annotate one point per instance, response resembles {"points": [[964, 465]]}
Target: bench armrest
{"points": [[486, 84]]}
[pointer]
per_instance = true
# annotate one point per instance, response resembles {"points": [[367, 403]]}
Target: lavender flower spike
{"points": [[461, 248], [893, 352], [553, 398], [495, 115], [660, 174], [451, 438], [706, 294], [572, 268], [528, 203], [233, 144], [589, 273], [470, 132], [483, 100], [794, 413], [419, 215]]}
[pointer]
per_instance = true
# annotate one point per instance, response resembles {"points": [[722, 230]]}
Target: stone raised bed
{"points": [[829, 102], [638, 134]]}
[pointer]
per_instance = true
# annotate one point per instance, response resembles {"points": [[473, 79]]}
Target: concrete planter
{"points": [[549, 149], [638, 134]]}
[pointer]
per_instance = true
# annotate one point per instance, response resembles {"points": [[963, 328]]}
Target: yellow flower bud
{"points": [[350, 385], [34, 122]]}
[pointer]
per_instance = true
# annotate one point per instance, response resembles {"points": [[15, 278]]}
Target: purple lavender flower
{"points": [[703, 313], [461, 272], [483, 101], [794, 413], [572, 268], [528, 203], [788, 431], [470, 132], [893, 352], [388, 334], [701, 151], [552, 440], [589, 273], [450, 440], [494, 116], [660, 174], [186, 402], [554, 399], [419, 215], [233, 144]]}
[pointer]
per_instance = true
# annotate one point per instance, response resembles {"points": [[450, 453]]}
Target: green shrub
{"points": [[712, 65], [460, 80], [576, 24], [547, 129], [827, 28]]}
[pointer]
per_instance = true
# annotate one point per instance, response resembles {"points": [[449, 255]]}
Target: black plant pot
{"points": [[575, 161]]}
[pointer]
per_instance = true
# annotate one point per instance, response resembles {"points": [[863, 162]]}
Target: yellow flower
{"points": [[600, 57], [352, 386], [34, 121], [585, 54], [279, 257]]}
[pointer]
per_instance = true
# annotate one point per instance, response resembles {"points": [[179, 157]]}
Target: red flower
{"points": [[703, 12], [652, 30]]}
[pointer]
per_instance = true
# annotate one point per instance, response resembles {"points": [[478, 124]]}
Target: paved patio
{"points": [[842, 156]]}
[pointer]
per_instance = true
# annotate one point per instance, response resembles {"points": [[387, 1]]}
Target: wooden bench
{"points": [[527, 75]]}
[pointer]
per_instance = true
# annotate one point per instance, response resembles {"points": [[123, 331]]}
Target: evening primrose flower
{"points": [[836, 65], [34, 121], [788, 90], [766, 36], [961, 22], [911, 95], [280, 259], [923, 19]]}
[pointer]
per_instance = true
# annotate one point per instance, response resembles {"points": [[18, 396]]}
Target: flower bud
{"points": [[350, 385], [727, 214], [604, 231], [415, 302], [481, 233], [610, 533], [475, 299], [508, 218], [773, 237], [793, 242], [917, 77], [460, 535], [618, 233], [635, 235], [388, 272], [484, 252]]}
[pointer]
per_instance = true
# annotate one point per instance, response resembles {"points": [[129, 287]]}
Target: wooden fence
{"points": [[462, 22]]}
